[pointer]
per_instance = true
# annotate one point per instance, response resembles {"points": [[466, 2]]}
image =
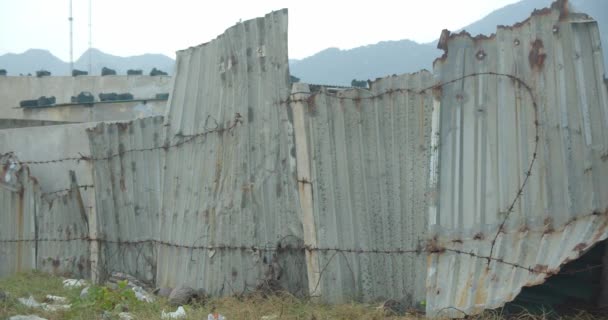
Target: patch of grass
{"points": [[283, 306]]}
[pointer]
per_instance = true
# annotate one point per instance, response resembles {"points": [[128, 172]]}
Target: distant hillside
{"points": [[35, 59], [330, 66], [32, 60], [144, 62], [339, 67], [335, 66]]}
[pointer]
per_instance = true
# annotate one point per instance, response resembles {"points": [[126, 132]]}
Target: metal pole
{"points": [[71, 40], [90, 39]]}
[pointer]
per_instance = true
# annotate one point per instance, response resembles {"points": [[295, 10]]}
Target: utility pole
{"points": [[71, 19]]}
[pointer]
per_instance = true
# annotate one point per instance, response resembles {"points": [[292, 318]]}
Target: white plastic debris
{"points": [[215, 316], [271, 317], [142, 295], [178, 314], [74, 283], [32, 303], [85, 292], [29, 317], [125, 316], [55, 307], [56, 299]]}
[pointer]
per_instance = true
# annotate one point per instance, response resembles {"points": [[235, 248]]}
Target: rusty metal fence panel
{"points": [[40, 231], [522, 159], [366, 154], [62, 233], [17, 213], [128, 164], [229, 221]]}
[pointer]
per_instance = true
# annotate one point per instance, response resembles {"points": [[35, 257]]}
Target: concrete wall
{"points": [[15, 89], [23, 123], [98, 112]]}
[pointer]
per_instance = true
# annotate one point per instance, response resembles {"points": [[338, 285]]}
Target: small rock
{"points": [[106, 315], [30, 317], [181, 295], [177, 314], [112, 286], [163, 292], [142, 295], [393, 307], [125, 316], [3, 296], [85, 292]]}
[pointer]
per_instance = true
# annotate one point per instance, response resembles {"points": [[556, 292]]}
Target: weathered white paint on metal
{"points": [[232, 190], [301, 93], [17, 216], [128, 197], [44, 232], [62, 228], [487, 142], [368, 153]]}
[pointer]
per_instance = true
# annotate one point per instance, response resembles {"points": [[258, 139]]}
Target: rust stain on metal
{"points": [[537, 55], [20, 231], [580, 247], [481, 294]]}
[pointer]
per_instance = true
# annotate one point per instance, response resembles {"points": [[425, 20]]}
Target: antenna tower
{"points": [[71, 40], [90, 39]]}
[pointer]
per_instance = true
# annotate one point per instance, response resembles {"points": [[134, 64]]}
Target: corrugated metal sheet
{"points": [[365, 155], [17, 213], [231, 192], [62, 231], [487, 143], [38, 231], [128, 174]]}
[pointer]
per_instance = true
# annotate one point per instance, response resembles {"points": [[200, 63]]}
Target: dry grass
{"points": [[252, 307]]}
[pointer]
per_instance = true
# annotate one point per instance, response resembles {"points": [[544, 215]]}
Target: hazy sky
{"points": [[132, 27]]}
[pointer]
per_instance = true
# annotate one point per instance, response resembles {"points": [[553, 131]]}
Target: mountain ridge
{"points": [[332, 66]]}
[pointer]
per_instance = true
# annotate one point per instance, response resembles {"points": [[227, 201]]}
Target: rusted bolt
{"points": [[480, 55]]}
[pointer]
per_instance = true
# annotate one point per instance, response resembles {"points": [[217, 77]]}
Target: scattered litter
{"points": [[85, 292], [73, 283], [30, 317], [215, 316], [132, 282], [178, 314], [32, 303], [55, 299], [163, 292], [142, 295], [125, 316], [55, 307]]}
